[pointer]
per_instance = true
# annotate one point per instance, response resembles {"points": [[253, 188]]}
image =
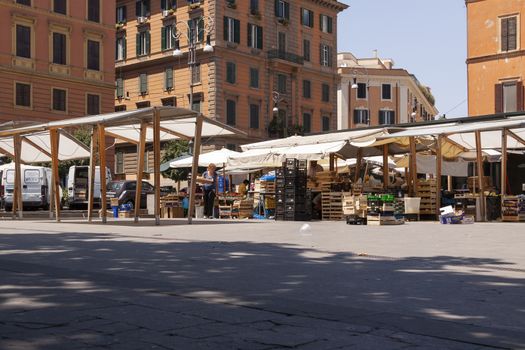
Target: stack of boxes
{"points": [[292, 200]]}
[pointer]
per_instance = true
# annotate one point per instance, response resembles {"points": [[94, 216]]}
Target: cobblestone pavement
{"points": [[261, 286]]}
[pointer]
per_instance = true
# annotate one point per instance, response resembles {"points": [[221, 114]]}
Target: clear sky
{"points": [[425, 37]]}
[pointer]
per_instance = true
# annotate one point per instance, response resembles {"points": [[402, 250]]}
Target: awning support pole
{"points": [[504, 159], [481, 173], [359, 160], [413, 165], [156, 162], [195, 166], [140, 168], [18, 205], [91, 174], [439, 163], [102, 169], [385, 167], [55, 139]]}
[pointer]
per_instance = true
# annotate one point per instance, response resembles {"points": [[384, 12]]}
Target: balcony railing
{"points": [[287, 56]]}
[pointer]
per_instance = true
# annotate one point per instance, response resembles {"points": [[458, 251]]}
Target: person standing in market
{"points": [[209, 181]]}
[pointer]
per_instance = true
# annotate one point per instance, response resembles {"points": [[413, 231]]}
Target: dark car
{"points": [[125, 192]]}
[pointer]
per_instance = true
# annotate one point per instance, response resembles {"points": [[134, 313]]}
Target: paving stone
{"points": [[232, 314]]}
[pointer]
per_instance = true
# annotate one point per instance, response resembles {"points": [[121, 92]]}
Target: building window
{"points": [[93, 55], [119, 162], [387, 117], [386, 92], [326, 55], [170, 101], [93, 104], [120, 88], [326, 23], [23, 95], [167, 37], [231, 76], [254, 6], [231, 112], [120, 108], [326, 123], [362, 91], [168, 5], [23, 41], [255, 36], [59, 48], [361, 116], [142, 8], [93, 10], [254, 78], [120, 49], [196, 76], [232, 30], [282, 9], [24, 2], [326, 93], [196, 29], [281, 42], [121, 14], [143, 83], [509, 33], [59, 100], [168, 79], [144, 104], [60, 6], [307, 18], [510, 97], [306, 50], [307, 89], [307, 122], [281, 83], [196, 105], [143, 43], [254, 116]]}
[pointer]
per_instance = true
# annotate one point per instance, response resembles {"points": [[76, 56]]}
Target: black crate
{"points": [[279, 172], [290, 163]]}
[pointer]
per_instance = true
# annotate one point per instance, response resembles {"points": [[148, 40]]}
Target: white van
{"points": [[36, 181], [78, 185]]}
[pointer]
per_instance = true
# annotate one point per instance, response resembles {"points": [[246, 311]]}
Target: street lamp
{"points": [[355, 86], [277, 98], [192, 33]]}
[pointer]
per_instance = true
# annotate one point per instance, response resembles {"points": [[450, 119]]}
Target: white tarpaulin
{"points": [[426, 164], [218, 157]]}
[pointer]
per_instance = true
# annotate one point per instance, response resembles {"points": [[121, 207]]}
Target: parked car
{"points": [[125, 192], [36, 182], [78, 185]]}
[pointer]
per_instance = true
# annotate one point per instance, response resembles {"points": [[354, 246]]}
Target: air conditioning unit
{"points": [[165, 13], [141, 20]]}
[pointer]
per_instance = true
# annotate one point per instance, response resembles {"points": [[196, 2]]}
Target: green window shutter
{"points": [[250, 26], [148, 42], [143, 83], [147, 7], [137, 42], [201, 30], [276, 8], [168, 83], [286, 10], [120, 87], [225, 28], [330, 24], [259, 37], [163, 43], [124, 44], [302, 16], [237, 31]]}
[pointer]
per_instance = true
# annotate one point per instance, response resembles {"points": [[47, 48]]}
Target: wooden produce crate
{"points": [[243, 208], [354, 205], [427, 191], [332, 206], [267, 186]]}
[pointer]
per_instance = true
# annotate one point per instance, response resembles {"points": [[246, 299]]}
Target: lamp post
{"points": [[277, 98], [192, 33]]}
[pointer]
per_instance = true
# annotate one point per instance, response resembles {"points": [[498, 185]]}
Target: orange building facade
{"points": [[372, 92], [496, 56], [266, 54], [56, 59]]}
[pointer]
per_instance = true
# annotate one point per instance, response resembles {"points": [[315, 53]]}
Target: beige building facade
{"points": [[372, 92]]}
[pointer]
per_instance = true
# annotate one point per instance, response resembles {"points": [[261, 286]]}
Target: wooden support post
{"points": [[195, 165], [140, 168], [449, 183], [102, 168], [359, 160], [156, 162], [479, 161], [385, 167], [18, 205], [407, 178], [91, 174], [413, 165], [439, 163], [504, 158], [55, 139]]}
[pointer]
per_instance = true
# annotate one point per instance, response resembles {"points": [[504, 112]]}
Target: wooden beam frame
{"points": [[359, 160], [29, 142], [515, 137], [140, 169], [102, 168], [386, 176], [92, 169], [174, 133], [413, 165], [54, 140], [195, 165], [481, 173], [156, 162], [108, 133], [504, 159]]}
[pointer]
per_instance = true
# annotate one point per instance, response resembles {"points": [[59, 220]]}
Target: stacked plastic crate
{"points": [[292, 201]]}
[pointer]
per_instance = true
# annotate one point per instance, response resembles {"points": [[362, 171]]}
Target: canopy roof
{"points": [[218, 157], [36, 147]]}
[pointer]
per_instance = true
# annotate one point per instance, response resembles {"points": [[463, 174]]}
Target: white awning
{"points": [[218, 157]]}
